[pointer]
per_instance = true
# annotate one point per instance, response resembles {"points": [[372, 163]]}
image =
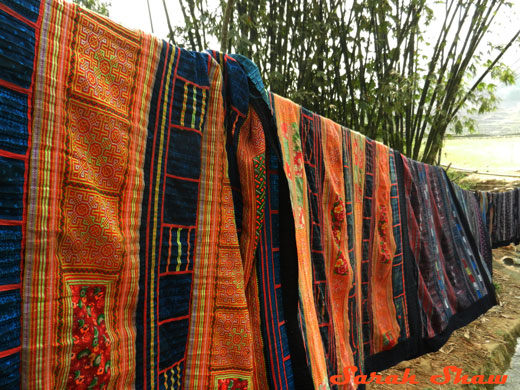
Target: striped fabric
{"points": [[454, 282], [19, 23], [500, 214], [414, 271], [121, 264], [469, 201]]}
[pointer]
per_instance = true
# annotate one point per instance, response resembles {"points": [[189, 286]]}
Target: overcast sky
{"points": [[134, 14]]}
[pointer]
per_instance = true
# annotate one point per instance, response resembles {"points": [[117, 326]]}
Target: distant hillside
{"points": [[501, 122], [506, 120]]}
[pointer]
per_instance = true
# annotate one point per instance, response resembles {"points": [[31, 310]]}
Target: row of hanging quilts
{"points": [[501, 213], [167, 223]]}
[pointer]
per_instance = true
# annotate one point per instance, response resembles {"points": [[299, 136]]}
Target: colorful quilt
{"points": [[166, 223], [454, 280], [117, 205], [347, 205], [387, 254], [501, 215], [469, 201]]}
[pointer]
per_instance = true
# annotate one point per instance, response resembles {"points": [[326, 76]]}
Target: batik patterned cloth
{"points": [[287, 116], [395, 233], [19, 29], [247, 168]]}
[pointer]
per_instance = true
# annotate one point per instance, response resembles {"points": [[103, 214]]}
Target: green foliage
{"points": [[376, 66], [461, 179], [101, 7]]}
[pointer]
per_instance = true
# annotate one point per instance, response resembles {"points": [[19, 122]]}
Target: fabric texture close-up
{"points": [[168, 223]]}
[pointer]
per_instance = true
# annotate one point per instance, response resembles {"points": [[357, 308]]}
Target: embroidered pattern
{"points": [[338, 216], [232, 384], [259, 166], [90, 359], [382, 227], [105, 65]]}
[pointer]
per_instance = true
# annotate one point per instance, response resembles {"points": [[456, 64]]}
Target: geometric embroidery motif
{"points": [[231, 338], [99, 148], [105, 65], [259, 167], [231, 280], [91, 236]]}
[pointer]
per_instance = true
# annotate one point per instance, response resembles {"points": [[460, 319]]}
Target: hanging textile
{"points": [[167, 223], [346, 202], [471, 205], [118, 198], [454, 281], [501, 214], [409, 285]]}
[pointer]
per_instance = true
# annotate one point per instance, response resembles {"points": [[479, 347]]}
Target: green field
{"points": [[486, 154]]}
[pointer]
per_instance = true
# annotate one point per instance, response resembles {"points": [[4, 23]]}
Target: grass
{"points": [[487, 154], [461, 178]]}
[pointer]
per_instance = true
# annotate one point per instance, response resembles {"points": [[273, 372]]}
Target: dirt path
{"points": [[484, 347]]}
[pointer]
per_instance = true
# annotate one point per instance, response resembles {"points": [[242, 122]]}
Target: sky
{"points": [[134, 14]]}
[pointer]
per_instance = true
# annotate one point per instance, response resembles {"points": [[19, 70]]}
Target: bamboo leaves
{"points": [[402, 71]]}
